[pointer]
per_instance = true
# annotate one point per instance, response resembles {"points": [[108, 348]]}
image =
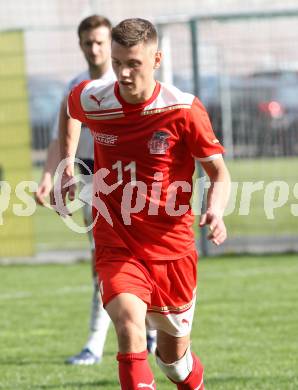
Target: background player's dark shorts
{"points": [[90, 164]]}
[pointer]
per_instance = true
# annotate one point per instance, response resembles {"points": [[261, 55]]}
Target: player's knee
{"points": [[179, 370], [130, 329], [127, 312], [127, 329], [131, 336]]}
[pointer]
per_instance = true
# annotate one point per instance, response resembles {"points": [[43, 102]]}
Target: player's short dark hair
{"points": [[131, 32], [93, 21]]}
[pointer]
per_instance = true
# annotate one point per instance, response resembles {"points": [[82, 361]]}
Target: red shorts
{"points": [[167, 287]]}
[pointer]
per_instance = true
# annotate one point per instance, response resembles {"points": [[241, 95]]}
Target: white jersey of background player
{"points": [[99, 320], [94, 38]]}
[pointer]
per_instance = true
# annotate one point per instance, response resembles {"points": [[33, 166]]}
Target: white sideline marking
{"points": [[255, 271], [16, 295]]}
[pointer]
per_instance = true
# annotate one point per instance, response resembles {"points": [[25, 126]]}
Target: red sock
{"points": [[135, 372], [194, 381]]}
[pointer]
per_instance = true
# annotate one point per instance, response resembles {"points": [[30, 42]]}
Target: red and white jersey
{"points": [[144, 163]]}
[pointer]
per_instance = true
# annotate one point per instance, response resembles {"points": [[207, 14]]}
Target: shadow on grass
{"points": [[31, 363], [251, 382], [220, 380], [59, 360], [70, 385], [79, 385]]}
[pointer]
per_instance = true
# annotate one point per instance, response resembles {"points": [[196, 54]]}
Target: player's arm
{"points": [[52, 161], [46, 181], [69, 134], [217, 199]]}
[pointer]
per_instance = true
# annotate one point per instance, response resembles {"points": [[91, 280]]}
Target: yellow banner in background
{"points": [[16, 220]]}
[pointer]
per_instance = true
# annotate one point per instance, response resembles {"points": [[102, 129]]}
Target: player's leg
{"points": [[126, 288], [151, 336], [171, 312], [176, 360], [99, 318], [128, 313]]}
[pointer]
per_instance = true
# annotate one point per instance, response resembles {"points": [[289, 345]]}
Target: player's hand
{"points": [[217, 228], [64, 186], [44, 189]]}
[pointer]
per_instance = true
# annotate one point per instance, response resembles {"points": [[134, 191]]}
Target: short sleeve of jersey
{"points": [[74, 107], [68, 88], [199, 134]]}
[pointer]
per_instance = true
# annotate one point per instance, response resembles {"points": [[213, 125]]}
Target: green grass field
{"points": [[257, 222], [245, 326]]}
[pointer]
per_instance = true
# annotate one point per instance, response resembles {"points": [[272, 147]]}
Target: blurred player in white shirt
{"points": [[95, 42]]}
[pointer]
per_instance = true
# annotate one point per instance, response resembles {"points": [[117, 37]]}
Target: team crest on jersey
{"points": [[159, 143]]}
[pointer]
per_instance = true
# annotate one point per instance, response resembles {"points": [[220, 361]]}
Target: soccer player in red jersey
{"points": [[147, 135], [94, 34]]}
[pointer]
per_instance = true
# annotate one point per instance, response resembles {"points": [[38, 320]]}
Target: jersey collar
{"points": [[132, 107]]}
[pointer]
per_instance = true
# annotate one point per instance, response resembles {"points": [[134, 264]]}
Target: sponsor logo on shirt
{"points": [[159, 143], [105, 139]]}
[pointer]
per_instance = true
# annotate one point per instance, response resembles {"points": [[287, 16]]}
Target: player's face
{"points": [[134, 68], [96, 46]]}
